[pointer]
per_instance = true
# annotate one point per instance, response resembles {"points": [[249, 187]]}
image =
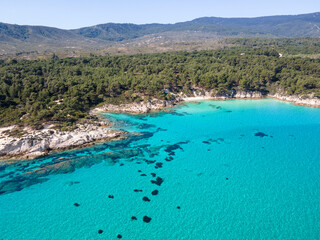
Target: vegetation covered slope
{"points": [[306, 25], [63, 90]]}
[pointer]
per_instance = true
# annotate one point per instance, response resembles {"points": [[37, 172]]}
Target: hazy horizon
{"points": [[153, 22], [76, 14]]}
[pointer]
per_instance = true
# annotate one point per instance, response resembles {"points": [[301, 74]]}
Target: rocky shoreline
{"points": [[198, 95], [36, 143], [157, 105], [30, 143], [137, 107], [309, 101]]}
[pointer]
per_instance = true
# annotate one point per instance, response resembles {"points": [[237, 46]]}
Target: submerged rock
{"points": [[146, 219], [150, 161], [159, 164], [76, 204], [172, 148], [110, 196], [146, 199], [100, 231], [19, 183], [155, 192], [158, 181], [169, 159], [70, 183], [133, 218], [260, 134]]}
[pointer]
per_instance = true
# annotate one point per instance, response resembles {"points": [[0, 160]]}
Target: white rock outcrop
{"points": [[137, 107], [298, 100], [36, 143], [203, 95]]}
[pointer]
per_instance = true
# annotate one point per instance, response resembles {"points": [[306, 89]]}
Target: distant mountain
{"points": [[305, 25], [120, 32], [17, 38], [9, 32]]}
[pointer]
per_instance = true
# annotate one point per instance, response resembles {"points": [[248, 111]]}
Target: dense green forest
{"points": [[64, 90]]}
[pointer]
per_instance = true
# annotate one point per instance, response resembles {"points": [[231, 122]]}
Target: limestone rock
{"points": [[36, 143]]}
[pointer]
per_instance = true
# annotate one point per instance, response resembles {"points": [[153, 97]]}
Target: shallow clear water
{"points": [[243, 169]]}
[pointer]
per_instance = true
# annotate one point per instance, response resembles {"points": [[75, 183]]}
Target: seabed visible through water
{"points": [[240, 169]]}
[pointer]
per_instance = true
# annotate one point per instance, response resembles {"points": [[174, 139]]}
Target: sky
{"points": [[71, 14]]}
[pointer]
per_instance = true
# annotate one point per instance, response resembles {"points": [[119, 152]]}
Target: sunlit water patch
{"points": [[243, 169]]}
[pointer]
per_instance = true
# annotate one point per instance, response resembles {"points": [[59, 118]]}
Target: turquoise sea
{"points": [[241, 169]]}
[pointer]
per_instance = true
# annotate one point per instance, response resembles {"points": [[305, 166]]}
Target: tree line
{"points": [[64, 90]]}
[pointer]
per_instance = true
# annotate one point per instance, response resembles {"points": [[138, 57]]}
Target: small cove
{"points": [[240, 169]]}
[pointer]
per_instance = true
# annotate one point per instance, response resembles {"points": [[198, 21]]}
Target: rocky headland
{"points": [[27, 143]]}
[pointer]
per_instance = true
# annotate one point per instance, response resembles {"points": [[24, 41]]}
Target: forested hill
{"points": [[64, 90], [305, 25]]}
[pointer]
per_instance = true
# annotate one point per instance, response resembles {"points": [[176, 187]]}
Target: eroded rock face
{"points": [[36, 143]]}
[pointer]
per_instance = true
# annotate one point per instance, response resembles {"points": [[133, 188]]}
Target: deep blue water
{"points": [[242, 169]]}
